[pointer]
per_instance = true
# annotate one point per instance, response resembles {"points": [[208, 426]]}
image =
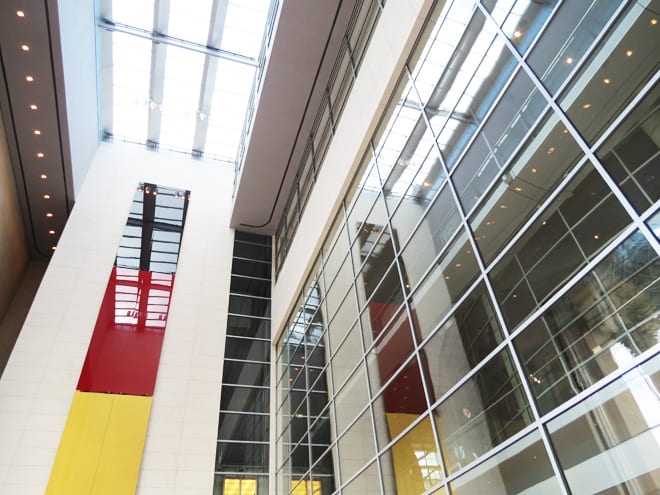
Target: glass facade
{"points": [[482, 316], [241, 465]]}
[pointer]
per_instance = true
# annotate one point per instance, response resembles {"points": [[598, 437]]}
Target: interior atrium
{"points": [[360, 247]]}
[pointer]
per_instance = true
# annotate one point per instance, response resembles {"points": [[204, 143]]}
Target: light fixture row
{"points": [[29, 79]]}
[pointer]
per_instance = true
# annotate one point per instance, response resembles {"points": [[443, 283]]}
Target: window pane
{"points": [[462, 342], [632, 154], [444, 285], [596, 327], [523, 467], [566, 39], [618, 427], [569, 233], [242, 457], [623, 63], [486, 410], [549, 153]]}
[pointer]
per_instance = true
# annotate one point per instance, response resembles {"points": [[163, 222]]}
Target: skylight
{"points": [[179, 74]]}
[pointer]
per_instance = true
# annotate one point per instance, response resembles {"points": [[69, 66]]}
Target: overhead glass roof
{"points": [[179, 74]]}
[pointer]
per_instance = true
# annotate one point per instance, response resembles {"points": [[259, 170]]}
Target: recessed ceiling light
{"points": [[53, 248], [25, 48], [629, 53], [569, 60], [533, 170], [51, 232], [517, 34], [654, 21], [586, 106], [607, 80], [46, 196], [37, 132], [29, 78], [33, 107], [43, 176], [49, 215], [40, 155], [20, 13], [518, 189]]}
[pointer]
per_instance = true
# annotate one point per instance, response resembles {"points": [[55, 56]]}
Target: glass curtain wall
{"points": [[485, 308], [241, 464]]}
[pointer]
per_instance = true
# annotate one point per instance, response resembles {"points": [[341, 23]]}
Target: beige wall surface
{"points": [[13, 246]]}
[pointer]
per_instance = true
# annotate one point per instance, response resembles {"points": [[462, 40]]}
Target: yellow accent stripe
{"points": [[101, 447]]}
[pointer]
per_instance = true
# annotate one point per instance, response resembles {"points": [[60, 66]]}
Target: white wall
{"points": [[41, 375]]}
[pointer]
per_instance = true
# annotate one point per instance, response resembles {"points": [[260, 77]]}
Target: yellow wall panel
{"points": [[101, 447], [80, 447], [415, 459], [119, 465]]}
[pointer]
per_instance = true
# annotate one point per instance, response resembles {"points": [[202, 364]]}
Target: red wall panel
{"points": [[125, 348]]}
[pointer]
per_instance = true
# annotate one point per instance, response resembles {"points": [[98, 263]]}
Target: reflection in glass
{"points": [[596, 327], [447, 281], [632, 153], [622, 63], [462, 342], [570, 232], [547, 155], [416, 464], [523, 467], [610, 443], [521, 20], [563, 45], [486, 410]]}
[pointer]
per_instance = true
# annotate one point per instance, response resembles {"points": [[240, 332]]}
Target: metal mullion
{"points": [[250, 277], [209, 73], [244, 413], [242, 361], [243, 258], [161, 37], [242, 337], [249, 296], [157, 73]]}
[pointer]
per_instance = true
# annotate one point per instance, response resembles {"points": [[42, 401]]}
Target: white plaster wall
{"points": [[42, 372]]}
